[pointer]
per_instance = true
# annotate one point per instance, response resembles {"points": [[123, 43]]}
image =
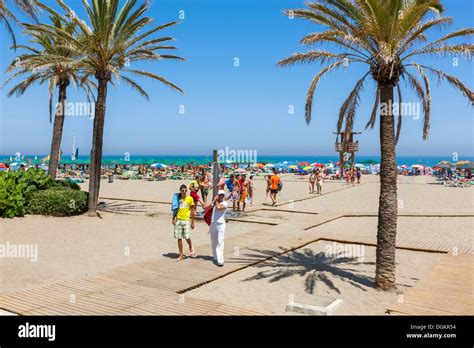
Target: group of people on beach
{"points": [[240, 190], [184, 212], [274, 185], [352, 175], [316, 178]]}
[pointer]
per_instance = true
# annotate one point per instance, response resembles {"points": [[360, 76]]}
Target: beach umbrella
{"points": [[465, 165], [359, 165], [240, 170], [445, 164], [418, 166], [303, 164], [269, 165], [293, 167], [159, 166], [403, 166], [307, 168], [3, 165], [329, 165], [320, 165]]}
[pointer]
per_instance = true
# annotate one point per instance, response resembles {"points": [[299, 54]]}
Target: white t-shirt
{"points": [[218, 215]]}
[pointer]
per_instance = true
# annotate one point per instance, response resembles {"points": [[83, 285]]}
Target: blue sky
{"points": [[245, 107]]}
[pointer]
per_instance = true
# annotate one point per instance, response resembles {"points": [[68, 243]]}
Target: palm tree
{"points": [[47, 62], [386, 36], [27, 6], [107, 45]]}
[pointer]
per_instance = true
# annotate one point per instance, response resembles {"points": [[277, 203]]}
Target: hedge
{"points": [[57, 202], [16, 189]]}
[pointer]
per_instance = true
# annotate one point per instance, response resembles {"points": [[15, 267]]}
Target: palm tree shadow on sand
{"points": [[314, 266]]}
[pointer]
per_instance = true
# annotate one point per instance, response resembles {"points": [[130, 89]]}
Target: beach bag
{"points": [[175, 203], [208, 215], [280, 185]]}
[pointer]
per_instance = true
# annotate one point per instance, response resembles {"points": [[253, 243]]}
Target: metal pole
{"points": [[215, 173]]}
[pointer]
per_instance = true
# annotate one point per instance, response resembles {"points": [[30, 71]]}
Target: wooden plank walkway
{"points": [[159, 287], [448, 289]]}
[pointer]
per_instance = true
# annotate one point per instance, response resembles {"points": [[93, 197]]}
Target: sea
{"points": [[429, 161]]}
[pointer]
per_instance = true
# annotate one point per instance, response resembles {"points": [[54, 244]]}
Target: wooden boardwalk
{"points": [[448, 289], [159, 287]]}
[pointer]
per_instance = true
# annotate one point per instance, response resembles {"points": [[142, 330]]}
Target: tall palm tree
{"points": [[6, 15], [108, 44], [49, 61], [386, 36]]}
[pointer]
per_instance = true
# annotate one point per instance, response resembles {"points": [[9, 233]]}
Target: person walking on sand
{"points": [[183, 222], [204, 185], [243, 183], [267, 179], [232, 186], [217, 227], [251, 189], [312, 180], [358, 174], [319, 182], [274, 183], [194, 188]]}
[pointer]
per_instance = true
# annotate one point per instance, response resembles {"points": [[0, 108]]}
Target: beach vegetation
{"points": [[18, 188], [110, 41], [7, 16], [47, 61], [58, 201], [385, 36]]}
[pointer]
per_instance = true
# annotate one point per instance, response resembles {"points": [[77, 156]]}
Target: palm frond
{"points": [[427, 110], [348, 109], [373, 116], [312, 56], [312, 87], [155, 77]]}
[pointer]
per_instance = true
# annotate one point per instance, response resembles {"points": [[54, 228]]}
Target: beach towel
{"points": [[175, 203]]}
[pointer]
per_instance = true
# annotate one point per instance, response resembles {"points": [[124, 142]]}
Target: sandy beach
{"points": [[78, 246]]}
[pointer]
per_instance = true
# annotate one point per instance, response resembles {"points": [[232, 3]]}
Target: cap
{"points": [[221, 192]]}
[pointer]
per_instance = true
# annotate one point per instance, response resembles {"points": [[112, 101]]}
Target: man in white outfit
{"points": [[219, 208]]}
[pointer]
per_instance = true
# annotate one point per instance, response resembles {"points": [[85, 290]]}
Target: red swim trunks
{"points": [[195, 196]]}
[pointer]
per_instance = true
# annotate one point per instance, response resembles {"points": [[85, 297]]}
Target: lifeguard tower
{"points": [[350, 147]]}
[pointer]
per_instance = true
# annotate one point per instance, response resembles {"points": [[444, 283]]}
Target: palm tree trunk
{"points": [[57, 131], [388, 210], [97, 141]]}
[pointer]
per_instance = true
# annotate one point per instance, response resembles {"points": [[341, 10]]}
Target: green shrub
{"points": [[57, 202], [17, 187], [12, 199]]}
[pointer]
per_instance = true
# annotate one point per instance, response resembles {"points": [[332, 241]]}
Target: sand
{"points": [[81, 245], [269, 286]]}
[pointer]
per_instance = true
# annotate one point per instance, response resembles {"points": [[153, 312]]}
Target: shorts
{"points": [[195, 196], [243, 196], [182, 229], [274, 191]]}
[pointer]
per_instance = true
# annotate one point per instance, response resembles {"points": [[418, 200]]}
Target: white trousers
{"points": [[217, 240]]}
